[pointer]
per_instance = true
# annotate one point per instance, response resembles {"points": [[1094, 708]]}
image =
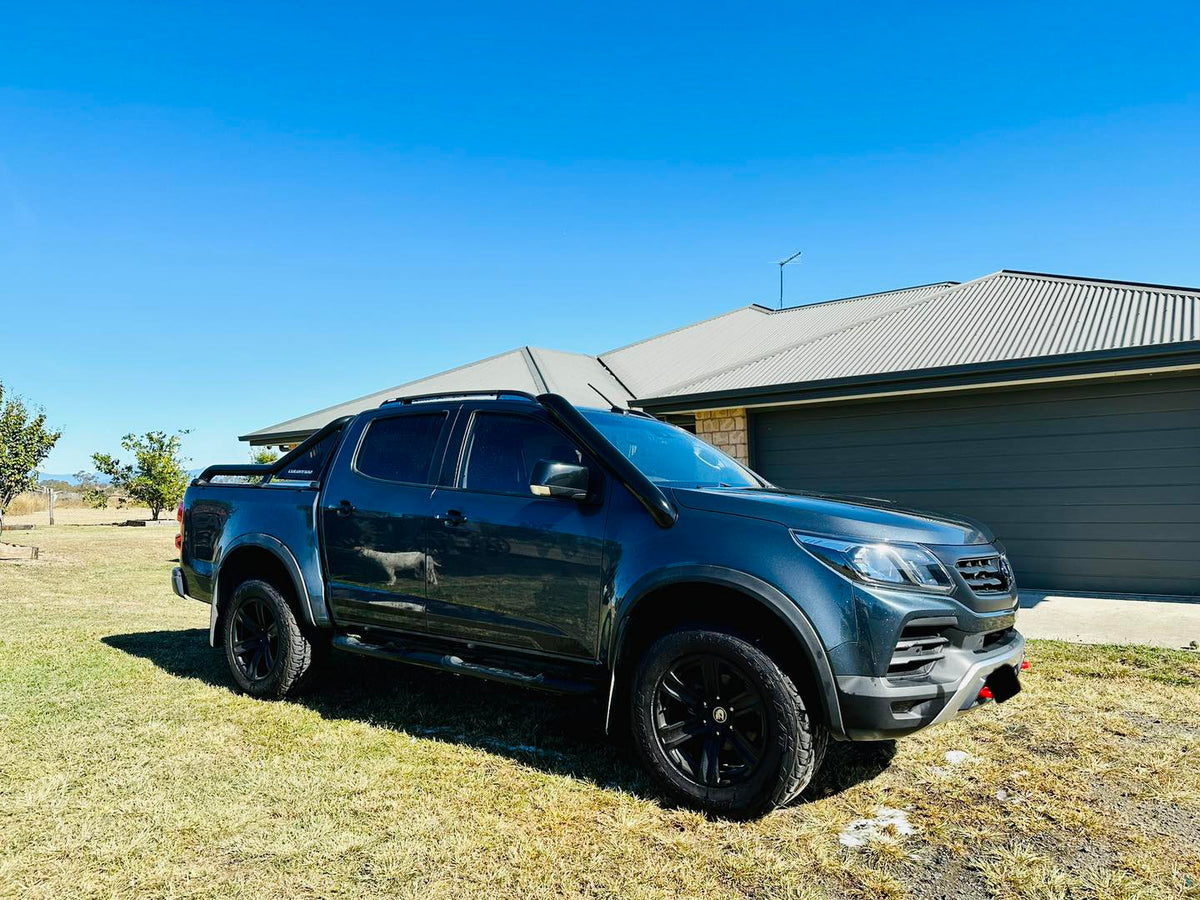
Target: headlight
{"points": [[890, 565]]}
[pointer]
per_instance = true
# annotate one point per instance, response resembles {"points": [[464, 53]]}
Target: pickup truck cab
{"points": [[733, 625]]}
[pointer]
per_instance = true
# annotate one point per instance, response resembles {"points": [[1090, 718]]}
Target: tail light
{"points": [[179, 519]]}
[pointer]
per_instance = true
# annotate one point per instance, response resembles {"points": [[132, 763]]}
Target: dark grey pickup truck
{"points": [[733, 626]]}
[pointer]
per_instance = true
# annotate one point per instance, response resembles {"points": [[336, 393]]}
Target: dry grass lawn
{"points": [[128, 767]]}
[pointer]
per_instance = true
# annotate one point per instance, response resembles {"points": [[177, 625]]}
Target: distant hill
{"points": [[71, 479]]}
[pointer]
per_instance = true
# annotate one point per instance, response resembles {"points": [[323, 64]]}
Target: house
{"points": [[1064, 412]]}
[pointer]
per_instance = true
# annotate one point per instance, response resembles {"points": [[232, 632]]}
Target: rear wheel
{"points": [[720, 726], [267, 653]]}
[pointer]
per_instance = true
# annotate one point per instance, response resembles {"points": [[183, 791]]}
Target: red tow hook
{"points": [[985, 692]]}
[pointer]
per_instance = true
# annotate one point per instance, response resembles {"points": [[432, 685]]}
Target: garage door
{"points": [[1093, 486]]}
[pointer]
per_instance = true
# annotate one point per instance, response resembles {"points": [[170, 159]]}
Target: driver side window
{"points": [[502, 449]]}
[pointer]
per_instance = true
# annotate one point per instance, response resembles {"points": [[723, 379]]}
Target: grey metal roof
{"points": [[656, 365], [1007, 315], [992, 321], [529, 369]]}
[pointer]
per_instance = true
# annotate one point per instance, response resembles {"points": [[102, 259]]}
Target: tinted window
{"points": [[502, 451], [401, 448]]}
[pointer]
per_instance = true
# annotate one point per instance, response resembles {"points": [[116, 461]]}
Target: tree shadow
{"points": [[557, 734]]}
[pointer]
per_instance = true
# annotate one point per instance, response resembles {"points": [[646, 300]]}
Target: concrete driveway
{"points": [[1154, 621]]}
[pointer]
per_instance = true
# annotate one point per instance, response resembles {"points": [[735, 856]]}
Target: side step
{"points": [[553, 678]]}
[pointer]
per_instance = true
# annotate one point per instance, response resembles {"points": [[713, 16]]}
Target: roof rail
{"points": [[450, 395]]}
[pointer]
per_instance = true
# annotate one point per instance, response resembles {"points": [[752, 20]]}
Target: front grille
{"points": [[986, 574], [921, 644]]}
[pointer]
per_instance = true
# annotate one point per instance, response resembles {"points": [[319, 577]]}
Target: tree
{"points": [[261, 456], [25, 442], [156, 477], [95, 494]]}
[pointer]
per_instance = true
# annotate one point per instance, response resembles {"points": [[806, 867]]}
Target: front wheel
{"points": [[720, 726], [268, 654]]}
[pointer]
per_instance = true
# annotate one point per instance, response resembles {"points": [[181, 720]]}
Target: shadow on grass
{"points": [[557, 734]]}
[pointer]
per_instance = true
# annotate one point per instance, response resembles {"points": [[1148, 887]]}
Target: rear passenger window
{"points": [[401, 448]]}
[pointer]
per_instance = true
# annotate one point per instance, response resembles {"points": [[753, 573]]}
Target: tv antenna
{"points": [[783, 263]]}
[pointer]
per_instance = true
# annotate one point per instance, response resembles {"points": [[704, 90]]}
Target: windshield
{"points": [[669, 455]]}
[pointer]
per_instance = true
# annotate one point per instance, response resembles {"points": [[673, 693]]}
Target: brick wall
{"points": [[725, 428]]}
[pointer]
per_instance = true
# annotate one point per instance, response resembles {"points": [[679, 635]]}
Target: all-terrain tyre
{"points": [[719, 726], [268, 654]]}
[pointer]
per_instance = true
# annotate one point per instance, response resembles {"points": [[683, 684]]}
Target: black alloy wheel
{"points": [[255, 638], [720, 726], [268, 652], [711, 721]]}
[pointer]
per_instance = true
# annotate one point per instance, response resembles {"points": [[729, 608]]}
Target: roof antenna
{"points": [[795, 255], [614, 406]]}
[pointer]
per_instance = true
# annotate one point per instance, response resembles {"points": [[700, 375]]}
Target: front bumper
{"points": [[878, 708]]}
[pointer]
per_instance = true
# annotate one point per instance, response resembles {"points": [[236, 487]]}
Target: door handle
{"points": [[452, 518], [345, 508]]}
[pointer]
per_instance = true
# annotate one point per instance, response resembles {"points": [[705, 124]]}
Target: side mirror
{"points": [[559, 479]]}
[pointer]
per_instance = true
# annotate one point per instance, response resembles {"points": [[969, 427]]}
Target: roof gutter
{"points": [[254, 439], [1096, 363]]}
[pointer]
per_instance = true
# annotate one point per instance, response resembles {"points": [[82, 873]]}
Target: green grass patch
{"points": [[129, 768]]}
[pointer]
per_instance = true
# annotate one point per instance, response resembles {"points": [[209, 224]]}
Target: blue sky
{"points": [[218, 216]]}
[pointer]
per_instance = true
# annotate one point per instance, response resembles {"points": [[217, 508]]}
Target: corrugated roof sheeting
{"points": [[554, 370], [507, 369], [570, 375], [658, 362], [656, 365], [1004, 316]]}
